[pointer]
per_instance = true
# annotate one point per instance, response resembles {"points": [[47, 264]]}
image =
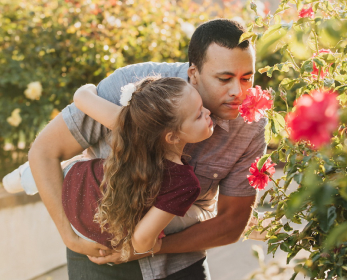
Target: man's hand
{"points": [[115, 256], [85, 247]]}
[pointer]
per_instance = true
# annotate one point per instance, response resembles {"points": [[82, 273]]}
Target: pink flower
{"points": [[260, 179], [315, 117], [316, 69], [306, 12], [256, 103]]}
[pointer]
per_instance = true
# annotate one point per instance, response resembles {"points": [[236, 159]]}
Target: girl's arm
{"points": [[148, 229], [101, 110]]}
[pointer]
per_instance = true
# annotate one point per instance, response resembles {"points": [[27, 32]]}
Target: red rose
{"points": [[316, 70], [315, 117], [306, 12], [256, 103], [260, 179]]}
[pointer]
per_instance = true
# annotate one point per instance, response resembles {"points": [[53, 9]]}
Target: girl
{"points": [[143, 184]]}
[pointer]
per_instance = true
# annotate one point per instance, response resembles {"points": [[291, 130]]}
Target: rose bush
{"points": [[311, 129]]}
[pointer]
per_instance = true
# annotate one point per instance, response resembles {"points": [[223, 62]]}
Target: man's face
{"points": [[224, 79]]}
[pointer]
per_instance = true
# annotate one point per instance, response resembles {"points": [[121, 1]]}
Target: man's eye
{"points": [[248, 80], [224, 80]]}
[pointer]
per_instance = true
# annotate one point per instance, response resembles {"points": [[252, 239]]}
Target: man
{"points": [[221, 70]]}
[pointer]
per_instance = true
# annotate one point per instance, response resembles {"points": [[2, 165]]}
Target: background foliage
{"points": [[65, 44]]}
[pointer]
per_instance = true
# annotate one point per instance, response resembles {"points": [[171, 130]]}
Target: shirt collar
{"points": [[224, 124]]}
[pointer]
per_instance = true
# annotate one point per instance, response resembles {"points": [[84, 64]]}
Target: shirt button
{"points": [[215, 175]]}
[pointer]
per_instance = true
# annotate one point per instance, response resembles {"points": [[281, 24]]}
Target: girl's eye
{"points": [[200, 115]]}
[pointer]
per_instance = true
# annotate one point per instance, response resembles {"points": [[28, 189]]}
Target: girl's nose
{"points": [[208, 112]]}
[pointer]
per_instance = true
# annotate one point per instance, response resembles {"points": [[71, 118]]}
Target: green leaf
{"points": [[298, 178], [282, 8], [275, 157], [328, 57], [278, 237], [285, 247], [342, 98], [268, 133], [341, 78], [337, 234], [341, 89], [287, 227], [329, 82], [287, 83], [278, 123], [327, 218], [307, 66], [246, 36], [271, 30], [277, 19], [272, 248], [259, 21], [319, 61], [261, 202], [263, 70], [262, 160]]}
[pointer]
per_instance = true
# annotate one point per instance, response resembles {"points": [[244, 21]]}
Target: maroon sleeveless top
{"points": [[81, 193]]}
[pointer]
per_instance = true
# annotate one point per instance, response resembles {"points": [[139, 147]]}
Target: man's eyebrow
{"points": [[232, 74]]}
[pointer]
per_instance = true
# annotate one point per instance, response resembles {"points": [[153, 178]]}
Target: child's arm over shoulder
{"points": [[101, 110], [148, 229]]}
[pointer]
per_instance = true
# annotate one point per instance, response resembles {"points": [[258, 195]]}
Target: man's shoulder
{"points": [[138, 71]]}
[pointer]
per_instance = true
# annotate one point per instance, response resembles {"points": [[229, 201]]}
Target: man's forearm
{"points": [[225, 228], [49, 180], [54, 144]]}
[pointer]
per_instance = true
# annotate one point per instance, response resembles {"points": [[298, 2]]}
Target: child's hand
{"points": [[161, 235]]}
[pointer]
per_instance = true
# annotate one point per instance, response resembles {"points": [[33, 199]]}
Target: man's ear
{"points": [[171, 138], [192, 72]]}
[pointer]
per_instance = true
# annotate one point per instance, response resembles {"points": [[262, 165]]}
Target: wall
{"points": [[30, 245]]}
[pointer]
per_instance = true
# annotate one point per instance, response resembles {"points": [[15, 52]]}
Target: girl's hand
{"points": [[82, 246]]}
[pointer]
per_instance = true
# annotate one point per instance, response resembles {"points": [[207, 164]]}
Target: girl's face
{"points": [[197, 124]]}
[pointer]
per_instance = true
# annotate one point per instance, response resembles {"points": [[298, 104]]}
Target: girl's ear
{"points": [[171, 138]]}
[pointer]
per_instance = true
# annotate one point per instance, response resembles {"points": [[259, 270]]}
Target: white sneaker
{"points": [[12, 181]]}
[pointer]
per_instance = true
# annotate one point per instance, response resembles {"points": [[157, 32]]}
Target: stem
{"points": [[316, 41], [278, 187], [297, 68], [319, 71]]}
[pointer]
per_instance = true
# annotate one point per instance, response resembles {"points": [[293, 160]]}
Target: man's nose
{"points": [[235, 88]]}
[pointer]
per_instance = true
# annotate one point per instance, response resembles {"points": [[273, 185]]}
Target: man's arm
{"points": [[225, 228], [53, 145]]}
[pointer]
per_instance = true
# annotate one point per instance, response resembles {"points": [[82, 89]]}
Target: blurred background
{"points": [[50, 48]]}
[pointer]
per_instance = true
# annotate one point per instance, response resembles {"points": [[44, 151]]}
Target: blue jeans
{"points": [[81, 268]]}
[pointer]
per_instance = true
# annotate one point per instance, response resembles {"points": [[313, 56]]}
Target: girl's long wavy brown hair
{"points": [[133, 170]]}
